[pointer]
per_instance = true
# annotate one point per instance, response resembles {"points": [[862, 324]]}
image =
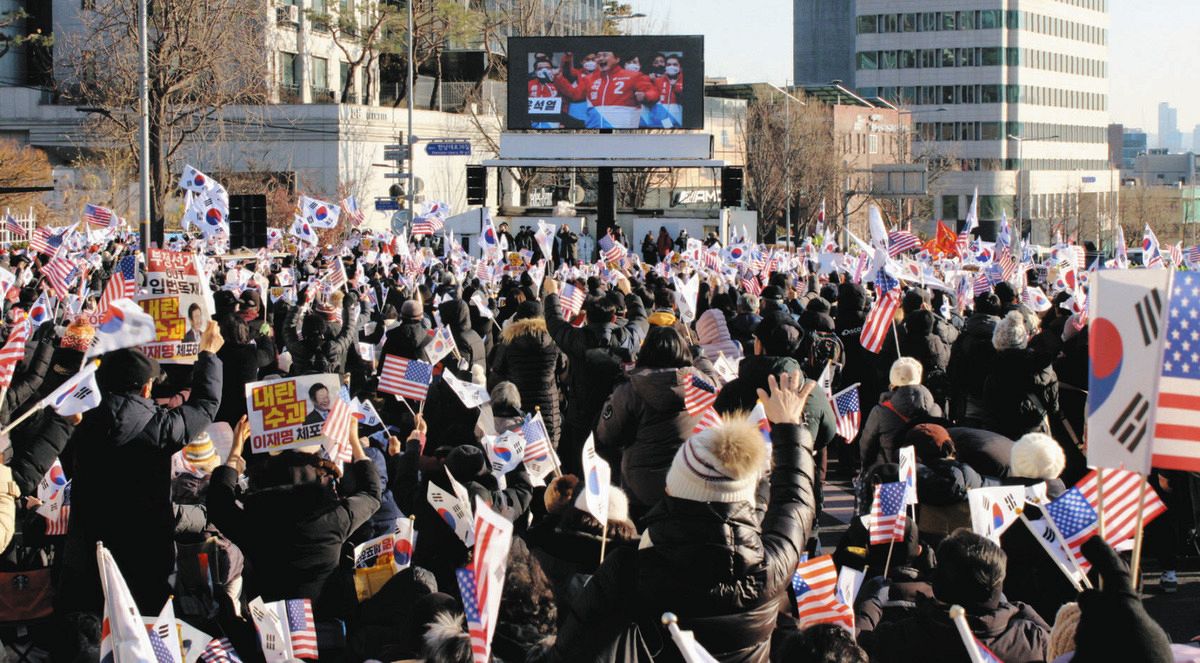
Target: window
{"points": [[320, 73], [991, 207], [929, 22], [966, 20], [868, 60], [888, 23], [990, 19], [908, 23], [929, 58], [948, 22], [966, 94], [948, 94], [990, 56], [989, 131], [989, 94], [1013, 94], [873, 144], [966, 57], [1013, 55], [950, 207], [887, 59], [343, 77], [867, 25], [288, 69], [949, 58], [948, 131]]}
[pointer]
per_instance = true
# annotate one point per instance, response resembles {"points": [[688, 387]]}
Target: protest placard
{"points": [[175, 297], [287, 413]]}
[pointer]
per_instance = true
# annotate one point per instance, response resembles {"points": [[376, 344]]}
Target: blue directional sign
{"points": [[448, 148], [386, 204]]}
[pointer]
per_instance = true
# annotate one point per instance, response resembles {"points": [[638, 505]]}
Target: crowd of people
{"points": [[708, 515]]}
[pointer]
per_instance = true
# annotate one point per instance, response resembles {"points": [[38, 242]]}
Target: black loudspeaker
{"points": [[476, 185], [248, 221], [731, 187]]}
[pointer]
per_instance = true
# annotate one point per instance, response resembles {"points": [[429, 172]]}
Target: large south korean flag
{"points": [[1125, 346]]}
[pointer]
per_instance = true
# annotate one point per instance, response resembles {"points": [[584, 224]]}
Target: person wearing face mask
{"points": [[615, 92], [541, 89], [668, 113], [657, 66]]}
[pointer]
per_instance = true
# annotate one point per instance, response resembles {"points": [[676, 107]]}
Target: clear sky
{"points": [[1155, 50]]}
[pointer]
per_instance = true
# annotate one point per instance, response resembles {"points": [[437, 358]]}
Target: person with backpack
{"points": [[908, 402], [597, 354]]}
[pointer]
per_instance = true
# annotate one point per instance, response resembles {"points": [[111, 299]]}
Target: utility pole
{"points": [[144, 112], [412, 140]]}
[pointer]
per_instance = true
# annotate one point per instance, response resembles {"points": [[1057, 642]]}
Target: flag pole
{"points": [[964, 633], [405, 401], [1100, 499], [28, 413], [1070, 578], [896, 337], [888, 563], [1139, 535], [603, 540], [1062, 543], [537, 411]]}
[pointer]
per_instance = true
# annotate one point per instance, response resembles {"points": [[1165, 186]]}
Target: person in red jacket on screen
{"points": [[615, 93]]}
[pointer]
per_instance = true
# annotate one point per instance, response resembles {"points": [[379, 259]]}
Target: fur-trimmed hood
{"points": [[526, 327]]}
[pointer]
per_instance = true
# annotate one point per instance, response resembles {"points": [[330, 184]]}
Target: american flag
{"points": [[46, 241], [1176, 444], [97, 216], [900, 241], [571, 300], [219, 650], [610, 249], [467, 587], [1075, 519], [698, 395], [887, 513], [57, 526], [122, 284], [815, 586], [751, 285], [481, 583], [160, 642], [1120, 501], [1192, 256], [408, 378], [981, 285], [335, 276], [15, 229], [350, 207], [879, 320], [848, 411], [710, 418], [13, 351], [302, 630], [712, 260], [537, 439], [1176, 254], [1008, 266], [424, 225], [337, 430], [61, 273]]}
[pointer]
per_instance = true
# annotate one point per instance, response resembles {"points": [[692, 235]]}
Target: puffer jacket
{"points": [[1021, 393], [740, 395], [292, 531], [641, 428], [714, 336], [322, 355], [712, 564], [971, 359], [945, 482], [121, 488], [896, 410], [456, 314], [1013, 632], [528, 358], [986, 452], [921, 343], [868, 369]]}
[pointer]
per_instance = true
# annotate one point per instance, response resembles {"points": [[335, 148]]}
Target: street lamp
{"points": [[787, 161], [1020, 171]]}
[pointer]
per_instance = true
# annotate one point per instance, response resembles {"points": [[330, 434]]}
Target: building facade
{"points": [[1012, 94], [1169, 137], [822, 41]]}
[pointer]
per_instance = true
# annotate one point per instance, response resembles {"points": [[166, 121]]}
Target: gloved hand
{"points": [[1113, 624]]}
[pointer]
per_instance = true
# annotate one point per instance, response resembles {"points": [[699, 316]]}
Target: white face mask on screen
{"points": [[672, 70], [589, 66], [633, 66]]}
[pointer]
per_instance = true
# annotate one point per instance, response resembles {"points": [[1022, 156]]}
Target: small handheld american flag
{"points": [[848, 412], [302, 629], [815, 586], [97, 216], [408, 378], [1075, 520], [698, 395], [219, 650], [15, 229], [887, 513], [879, 320], [1121, 497], [337, 431], [122, 284]]}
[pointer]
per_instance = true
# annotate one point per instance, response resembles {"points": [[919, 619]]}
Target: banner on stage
{"points": [[287, 413]]}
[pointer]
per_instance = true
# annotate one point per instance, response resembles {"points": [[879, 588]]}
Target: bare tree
{"points": [[194, 74], [13, 34], [23, 166]]}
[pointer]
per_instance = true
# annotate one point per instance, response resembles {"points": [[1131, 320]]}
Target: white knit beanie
{"points": [[905, 371], [1036, 456], [720, 464]]}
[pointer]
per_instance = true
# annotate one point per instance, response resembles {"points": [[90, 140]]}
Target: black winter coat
{"points": [[641, 427], [712, 564], [36, 442], [896, 410], [528, 358], [292, 533], [921, 343], [326, 355], [1013, 632], [456, 315], [1021, 392], [121, 488], [971, 359], [945, 482], [239, 364], [986, 452]]}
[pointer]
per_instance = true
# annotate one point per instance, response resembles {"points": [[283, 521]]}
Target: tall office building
{"points": [[1014, 93], [822, 41], [1169, 137]]}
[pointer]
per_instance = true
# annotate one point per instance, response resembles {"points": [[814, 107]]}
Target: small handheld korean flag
{"points": [[908, 473], [405, 541], [78, 394], [123, 635], [1125, 337], [123, 325], [319, 213], [505, 451], [597, 476], [471, 394], [272, 634], [454, 508], [994, 509]]}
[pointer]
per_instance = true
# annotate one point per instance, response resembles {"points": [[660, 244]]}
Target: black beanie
{"points": [[125, 371]]}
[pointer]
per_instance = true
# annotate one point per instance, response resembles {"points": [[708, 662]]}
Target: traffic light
{"points": [[476, 185], [731, 187]]}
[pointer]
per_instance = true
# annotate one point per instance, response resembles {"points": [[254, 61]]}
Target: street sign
{"points": [[448, 149], [400, 154], [1089, 180], [397, 176], [386, 205]]}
